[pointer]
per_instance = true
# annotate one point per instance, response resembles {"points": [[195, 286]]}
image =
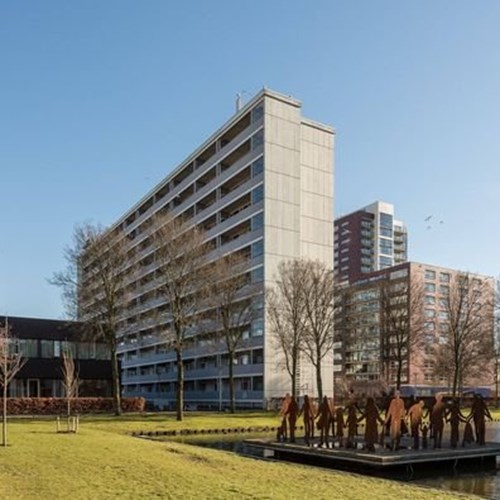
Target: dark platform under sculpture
{"points": [[383, 459]]}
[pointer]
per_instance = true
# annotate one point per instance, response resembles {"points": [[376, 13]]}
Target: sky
{"points": [[99, 101]]}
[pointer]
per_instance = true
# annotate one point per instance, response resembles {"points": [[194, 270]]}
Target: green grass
{"points": [[104, 461]]}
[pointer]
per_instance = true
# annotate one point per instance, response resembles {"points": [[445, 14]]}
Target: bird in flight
{"points": [[427, 219]]}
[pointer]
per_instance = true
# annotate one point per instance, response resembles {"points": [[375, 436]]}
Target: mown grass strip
{"points": [[104, 461]]}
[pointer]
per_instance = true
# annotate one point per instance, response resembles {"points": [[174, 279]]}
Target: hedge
{"points": [[58, 406]]}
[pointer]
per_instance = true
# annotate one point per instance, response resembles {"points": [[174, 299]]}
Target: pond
{"points": [[485, 484], [481, 483]]}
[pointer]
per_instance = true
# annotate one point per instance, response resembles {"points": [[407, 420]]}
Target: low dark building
{"points": [[42, 342]]}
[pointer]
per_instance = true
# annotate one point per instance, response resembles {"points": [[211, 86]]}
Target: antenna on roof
{"points": [[239, 99]]}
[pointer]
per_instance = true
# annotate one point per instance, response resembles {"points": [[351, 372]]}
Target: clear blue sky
{"points": [[99, 100]]}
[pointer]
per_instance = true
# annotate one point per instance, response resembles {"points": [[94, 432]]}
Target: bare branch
{"points": [[94, 285], [286, 314], [466, 347], [232, 299], [11, 362], [180, 254], [319, 309]]}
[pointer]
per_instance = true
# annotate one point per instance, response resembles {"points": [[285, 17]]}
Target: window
{"points": [[47, 348], [258, 166], [430, 300], [430, 287], [257, 113], [258, 275], [258, 383], [444, 277], [257, 248], [258, 221], [385, 246], [102, 351], [430, 275], [385, 262], [386, 224], [85, 350], [258, 328], [258, 194], [430, 313], [258, 139], [444, 289], [398, 274], [29, 348]]}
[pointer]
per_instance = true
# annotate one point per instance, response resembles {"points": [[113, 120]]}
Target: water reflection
{"points": [[233, 443], [485, 484]]}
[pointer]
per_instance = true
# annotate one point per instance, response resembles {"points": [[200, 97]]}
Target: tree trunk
{"points": [[319, 380], [398, 374], [4, 414], [294, 375], [232, 402], [180, 385], [455, 382], [115, 374]]}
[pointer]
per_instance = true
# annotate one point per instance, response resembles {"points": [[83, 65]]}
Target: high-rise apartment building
{"points": [[368, 240], [261, 185], [414, 317]]}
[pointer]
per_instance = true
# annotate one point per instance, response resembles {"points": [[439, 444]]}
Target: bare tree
{"points": [[286, 314], [231, 295], [466, 344], [402, 324], [93, 285], [180, 255], [71, 380], [497, 339], [11, 361], [319, 306]]}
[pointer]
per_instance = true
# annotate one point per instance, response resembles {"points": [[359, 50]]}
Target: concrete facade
{"points": [[262, 184]]}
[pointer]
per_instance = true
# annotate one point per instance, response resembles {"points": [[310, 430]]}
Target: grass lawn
{"points": [[104, 461]]}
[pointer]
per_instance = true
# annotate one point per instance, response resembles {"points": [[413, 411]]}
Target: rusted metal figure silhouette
{"points": [[478, 413], [282, 432], [395, 414], [292, 413], [314, 410], [415, 415], [308, 416], [339, 425], [331, 423], [437, 419], [371, 415], [324, 417], [352, 424], [454, 416]]}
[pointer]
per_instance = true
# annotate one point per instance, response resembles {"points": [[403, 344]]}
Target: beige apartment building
{"points": [[262, 184]]}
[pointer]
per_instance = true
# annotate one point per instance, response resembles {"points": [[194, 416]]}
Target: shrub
{"points": [[57, 406]]}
